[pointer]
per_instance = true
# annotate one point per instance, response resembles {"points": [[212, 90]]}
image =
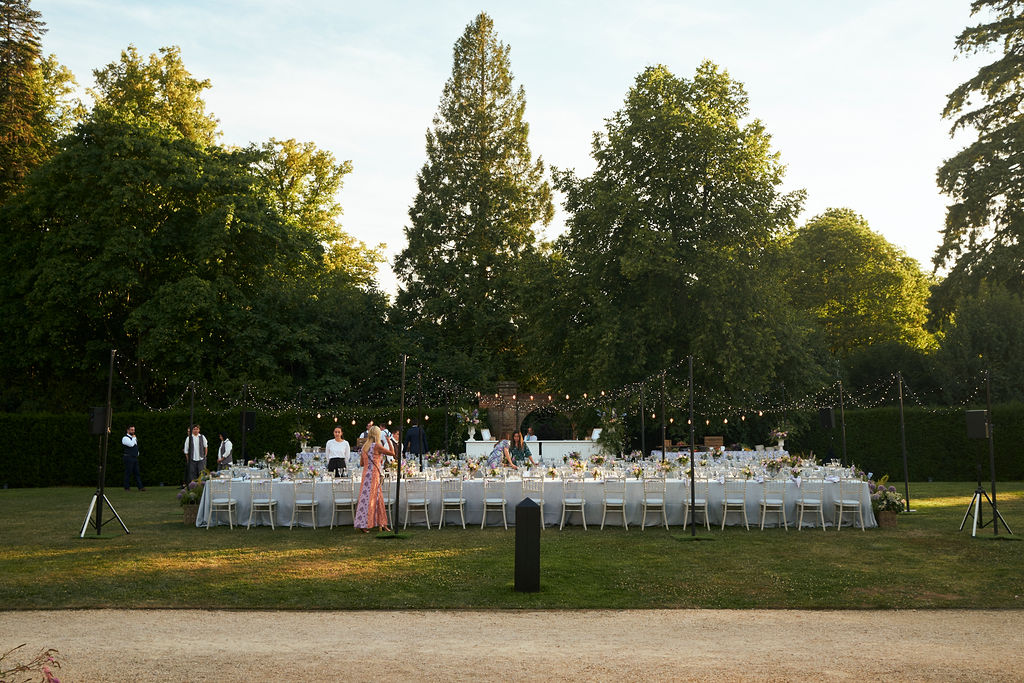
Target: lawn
{"points": [[925, 562]]}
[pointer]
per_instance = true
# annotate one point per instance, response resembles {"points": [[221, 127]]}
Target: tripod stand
{"points": [[99, 499], [979, 517]]}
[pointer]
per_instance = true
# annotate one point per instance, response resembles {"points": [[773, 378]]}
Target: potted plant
{"points": [[189, 497], [886, 502]]}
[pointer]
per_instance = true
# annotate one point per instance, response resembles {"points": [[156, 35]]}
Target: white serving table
{"points": [[593, 497]]}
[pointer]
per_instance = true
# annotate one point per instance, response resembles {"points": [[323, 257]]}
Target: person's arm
{"points": [[385, 448], [204, 447], [508, 459], [126, 440], [187, 438]]}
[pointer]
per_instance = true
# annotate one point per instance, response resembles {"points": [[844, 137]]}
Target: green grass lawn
{"points": [[924, 562]]}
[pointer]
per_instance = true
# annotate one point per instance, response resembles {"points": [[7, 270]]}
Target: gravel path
{"points": [[720, 645]]}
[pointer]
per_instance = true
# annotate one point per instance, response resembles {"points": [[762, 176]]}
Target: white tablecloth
{"points": [[593, 496]]}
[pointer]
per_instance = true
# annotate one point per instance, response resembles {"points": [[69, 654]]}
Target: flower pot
{"points": [[191, 512], [886, 519]]}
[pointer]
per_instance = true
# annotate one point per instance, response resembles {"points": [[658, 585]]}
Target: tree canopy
{"points": [[480, 194]]}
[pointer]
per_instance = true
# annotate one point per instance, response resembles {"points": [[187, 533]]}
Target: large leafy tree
{"points": [[861, 289], [472, 222], [184, 255], [983, 238], [37, 106], [670, 244]]}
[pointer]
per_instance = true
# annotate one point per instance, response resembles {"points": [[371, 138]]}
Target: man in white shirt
{"points": [[224, 459], [338, 453], [130, 458], [530, 436], [195, 453]]}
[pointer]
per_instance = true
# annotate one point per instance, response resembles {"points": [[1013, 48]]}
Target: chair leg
{"points": [[462, 515], [625, 522], [604, 514], [562, 525], [725, 513], [583, 516], [664, 516], [504, 518], [643, 519]]}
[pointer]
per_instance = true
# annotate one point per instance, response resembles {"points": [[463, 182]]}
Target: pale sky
{"points": [[850, 91]]}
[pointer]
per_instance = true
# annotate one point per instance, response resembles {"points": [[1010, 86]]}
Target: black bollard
{"points": [[527, 546]]}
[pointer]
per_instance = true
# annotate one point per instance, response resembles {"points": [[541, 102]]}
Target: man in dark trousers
{"points": [[130, 445], [416, 441]]}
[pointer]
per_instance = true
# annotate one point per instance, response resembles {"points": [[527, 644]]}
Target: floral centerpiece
{"points": [[472, 466], [598, 460], [747, 471], [454, 469], [493, 472], [409, 468], [435, 458], [595, 473], [636, 455], [270, 459], [666, 466], [470, 419], [637, 471], [778, 434], [552, 473], [302, 435]]}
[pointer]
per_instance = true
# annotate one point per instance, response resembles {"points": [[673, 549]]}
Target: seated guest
{"points": [[520, 452], [500, 456], [338, 453]]}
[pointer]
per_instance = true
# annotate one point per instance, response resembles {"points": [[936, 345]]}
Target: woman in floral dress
{"points": [[370, 512], [500, 457]]}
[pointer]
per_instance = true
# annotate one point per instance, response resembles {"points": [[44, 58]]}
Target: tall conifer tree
{"points": [[21, 30], [472, 221]]}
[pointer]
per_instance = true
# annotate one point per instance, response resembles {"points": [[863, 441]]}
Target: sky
{"points": [[851, 92]]}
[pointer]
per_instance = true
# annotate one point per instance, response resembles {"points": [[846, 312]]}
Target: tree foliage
{"points": [[983, 238], [669, 242], [37, 105], [480, 193], [861, 289]]}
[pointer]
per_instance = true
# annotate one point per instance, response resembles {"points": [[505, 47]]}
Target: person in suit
{"points": [[416, 441], [130, 446]]}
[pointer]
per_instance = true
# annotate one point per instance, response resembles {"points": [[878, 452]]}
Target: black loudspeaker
{"points": [[248, 421], [98, 420], [827, 417], [977, 424]]}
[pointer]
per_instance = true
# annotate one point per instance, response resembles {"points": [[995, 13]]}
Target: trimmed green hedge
{"points": [[58, 450], [937, 445]]}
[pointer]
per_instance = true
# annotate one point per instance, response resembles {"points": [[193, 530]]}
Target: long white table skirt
{"points": [[593, 506]]}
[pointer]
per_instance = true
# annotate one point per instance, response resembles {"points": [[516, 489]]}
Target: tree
{"points": [[670, 243], [159, 89], [861, 289], [471, 224], [983, 237], [37, 106]]}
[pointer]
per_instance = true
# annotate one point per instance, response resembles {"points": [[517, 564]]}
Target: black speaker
{"points": [[827, 417], [98, 420], [248, 421], [977, 424]]}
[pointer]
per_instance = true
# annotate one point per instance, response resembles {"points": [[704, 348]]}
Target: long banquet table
{"points": [[593, 506]]}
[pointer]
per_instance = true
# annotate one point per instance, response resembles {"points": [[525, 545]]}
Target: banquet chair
{"points": [[849, 501], [811, 500], [387, 491], [735, 500], [416, 498], [654, 499], [221, 500], [345, 497], [494, 499], [700, 501], [452, 499], [533, 488], [261, 499], [305, 500], [773, 499], [615, 499], [573, 499]]}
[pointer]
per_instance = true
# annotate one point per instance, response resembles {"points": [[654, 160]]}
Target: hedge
{"points": [[58, 450]]}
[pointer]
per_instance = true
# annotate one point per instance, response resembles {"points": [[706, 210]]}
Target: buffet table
{"points": [[283, 491]]}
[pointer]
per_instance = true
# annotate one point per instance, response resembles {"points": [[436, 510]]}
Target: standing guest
{"points": [[530, 436], [195, 453], [520, 452], [224, 459], [370, 511], [500, 457], [338, 452], [416, 441], [131, 459]]}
